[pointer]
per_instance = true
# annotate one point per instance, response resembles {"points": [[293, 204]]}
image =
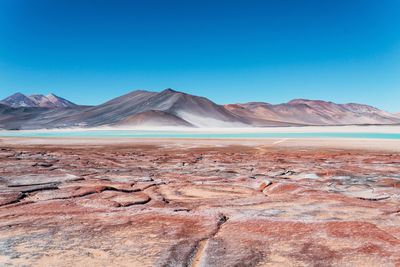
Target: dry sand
{"points": [[339, 143]]}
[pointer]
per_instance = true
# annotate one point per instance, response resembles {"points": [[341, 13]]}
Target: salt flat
{"points": [[295, 143]]}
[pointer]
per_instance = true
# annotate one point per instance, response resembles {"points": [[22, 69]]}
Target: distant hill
{"points": [[312, 112], [172, 108], [50, 101]]}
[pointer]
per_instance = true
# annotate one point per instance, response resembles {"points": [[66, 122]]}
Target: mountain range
{"points": [[50, 101], [172, 108]]}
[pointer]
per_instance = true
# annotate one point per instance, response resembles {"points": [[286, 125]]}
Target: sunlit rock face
{"points": [[147, 205]]}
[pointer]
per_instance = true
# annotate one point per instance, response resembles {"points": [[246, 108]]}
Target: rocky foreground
{"points": [[149, 205]]}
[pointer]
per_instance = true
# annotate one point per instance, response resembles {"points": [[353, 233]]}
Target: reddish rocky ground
{"points": [[148, 205]]}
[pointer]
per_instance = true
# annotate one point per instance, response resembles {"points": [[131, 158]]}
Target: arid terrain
{"points": [[199, 203], [170, 108]]}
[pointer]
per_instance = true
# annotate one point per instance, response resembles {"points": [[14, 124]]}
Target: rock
{"points": [[390, 182], [283, 188], [129, 199], [37, 179], [264, 185], [135, 205], [43, 164], [10, 197]]}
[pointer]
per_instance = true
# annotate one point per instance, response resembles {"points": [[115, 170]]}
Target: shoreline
{"points": [[388, 145], [279, 129]]}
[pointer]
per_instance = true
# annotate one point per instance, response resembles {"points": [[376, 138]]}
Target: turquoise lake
{"points": [[199, 135]]}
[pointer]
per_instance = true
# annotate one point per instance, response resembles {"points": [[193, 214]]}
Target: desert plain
{"points": [[183, 202]]}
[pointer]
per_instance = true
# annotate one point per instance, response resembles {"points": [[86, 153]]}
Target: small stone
{"points": [[264, 185], [43, 164]]}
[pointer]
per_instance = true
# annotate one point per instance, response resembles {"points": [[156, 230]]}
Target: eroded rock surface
{"points": [[143, 205]]}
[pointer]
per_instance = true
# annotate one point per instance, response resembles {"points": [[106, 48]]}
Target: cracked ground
{"points": [[232, 205]]}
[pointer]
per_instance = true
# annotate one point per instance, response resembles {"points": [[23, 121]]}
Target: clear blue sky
{"points": [[228, 51]]}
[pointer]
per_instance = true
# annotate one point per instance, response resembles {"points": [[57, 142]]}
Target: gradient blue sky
{"points": [[229, 51]]}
